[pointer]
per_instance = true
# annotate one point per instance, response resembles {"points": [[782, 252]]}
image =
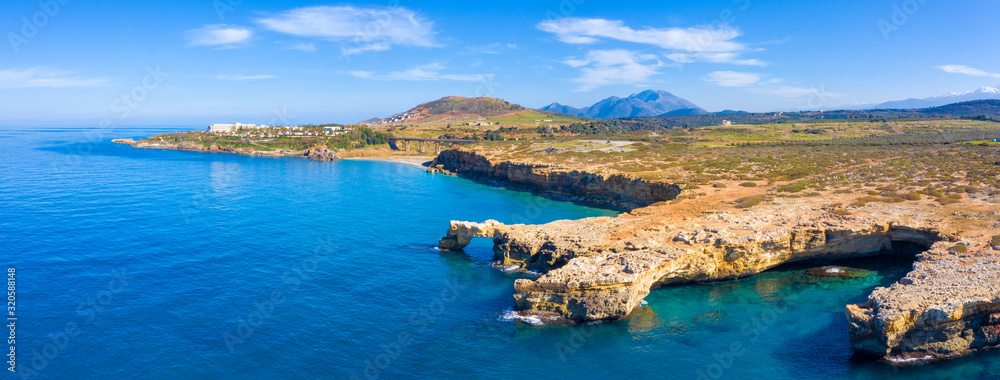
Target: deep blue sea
{"points": [[154, 264]]}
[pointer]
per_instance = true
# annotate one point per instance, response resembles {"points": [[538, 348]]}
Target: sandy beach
{"points": [[416, 161]]}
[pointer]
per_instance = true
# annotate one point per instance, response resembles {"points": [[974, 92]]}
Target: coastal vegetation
{"points": [[356, 137]]}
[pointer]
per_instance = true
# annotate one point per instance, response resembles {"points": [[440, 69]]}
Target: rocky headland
{"points": [[601, 268], [314, 153]]}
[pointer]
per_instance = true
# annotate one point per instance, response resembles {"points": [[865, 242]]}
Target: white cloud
{"points": [[46, 77], [427, 72], [219, 35], [714, 57], [701, 43], [494, 48], [795, 92], [586, 31], [361, 29], [962, 69], [244, 77], [732, 78], [610, 67], [302, 46]]}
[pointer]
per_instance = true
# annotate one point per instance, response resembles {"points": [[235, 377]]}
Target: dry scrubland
{"points": [[943, 162]]}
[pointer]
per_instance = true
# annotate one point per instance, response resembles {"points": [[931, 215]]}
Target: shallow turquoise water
{"points": [[189, 265]]}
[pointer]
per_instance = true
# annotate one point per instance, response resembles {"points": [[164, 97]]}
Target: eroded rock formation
{"points": [[601, 268], [948, 306]]}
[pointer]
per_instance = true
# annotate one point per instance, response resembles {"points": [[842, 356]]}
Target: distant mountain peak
{"points": [[937, 101], [645, 103]]}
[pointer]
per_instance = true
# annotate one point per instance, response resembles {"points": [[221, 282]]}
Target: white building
{"points": [[727, 123], [229, 128]]}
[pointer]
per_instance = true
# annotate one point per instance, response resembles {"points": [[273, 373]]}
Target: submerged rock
{"points": [[837, 271]]}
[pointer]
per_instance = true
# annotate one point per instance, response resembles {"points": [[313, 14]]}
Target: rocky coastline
{"points": [[607, 189], [601, 268], [314, 153]]}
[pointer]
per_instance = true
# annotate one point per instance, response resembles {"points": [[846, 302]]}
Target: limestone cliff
{"points": [[948, 306], [601, 268], [614, 189]]}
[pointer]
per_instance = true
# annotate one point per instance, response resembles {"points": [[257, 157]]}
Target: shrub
{"points": [[866, 200], [719, 185], [749, 184], [794, 187], [841, 212], [996, 241], [748, 202], [960, 248], [912, 196], [947, 201]]}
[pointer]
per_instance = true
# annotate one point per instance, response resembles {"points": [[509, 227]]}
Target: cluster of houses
{"points": [[394, 119], [233, 127], [253, 130]]}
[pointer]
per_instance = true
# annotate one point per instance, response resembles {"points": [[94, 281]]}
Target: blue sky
{"points": [[197, 62]]}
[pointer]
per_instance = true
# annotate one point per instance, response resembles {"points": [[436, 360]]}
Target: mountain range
{"points": [[646, 103], [937, 101], [649, 103]]}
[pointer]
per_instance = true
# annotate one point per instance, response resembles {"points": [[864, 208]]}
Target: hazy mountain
{"points": [[646, 103], [686, 112], [954, 97], [563, 109]]}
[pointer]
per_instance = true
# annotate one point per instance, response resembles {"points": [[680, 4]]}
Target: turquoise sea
{"points": [[153, 264]]}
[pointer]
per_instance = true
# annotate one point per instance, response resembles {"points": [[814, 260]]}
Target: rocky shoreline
{"points": [[613, 189], [314, 153], [601, 268]]}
